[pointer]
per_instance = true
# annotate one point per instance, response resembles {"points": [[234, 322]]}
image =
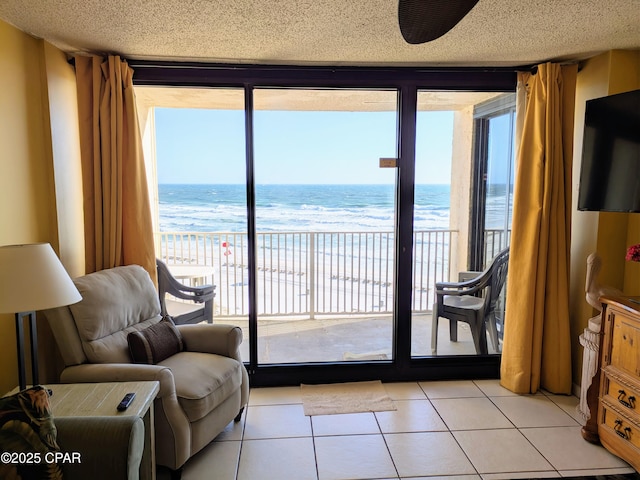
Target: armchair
{"points": [[200, 299], [202, 388], [473, 302]]}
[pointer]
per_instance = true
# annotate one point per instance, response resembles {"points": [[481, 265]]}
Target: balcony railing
{"points": [[308, 274], [494, 242]]}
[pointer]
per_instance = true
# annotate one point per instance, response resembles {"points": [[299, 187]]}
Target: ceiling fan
{"points": [[422, 21]]}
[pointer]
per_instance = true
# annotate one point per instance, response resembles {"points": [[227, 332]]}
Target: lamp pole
{"points": [[33, 340]]}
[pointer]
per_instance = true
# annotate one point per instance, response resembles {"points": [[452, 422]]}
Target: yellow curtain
{"points": [[537, 344], [117, 215]]}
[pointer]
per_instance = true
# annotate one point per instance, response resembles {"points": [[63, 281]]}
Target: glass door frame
{"points": [[483, 115], [341, 270], [407, 81]]}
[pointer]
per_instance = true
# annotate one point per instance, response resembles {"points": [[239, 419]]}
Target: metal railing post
{"points": [[312, 275]]}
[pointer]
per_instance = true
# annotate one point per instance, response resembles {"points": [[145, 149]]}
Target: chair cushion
{"points": [[155, 343], [114, 302], [203, 381]]}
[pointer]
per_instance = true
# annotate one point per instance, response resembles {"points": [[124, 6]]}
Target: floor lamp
{"points": [[32, 278]]}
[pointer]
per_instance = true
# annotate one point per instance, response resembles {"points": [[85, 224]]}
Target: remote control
{"points": [[126, 401]]}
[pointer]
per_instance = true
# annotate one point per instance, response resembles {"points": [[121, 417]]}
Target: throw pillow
{"points": [[155, 343], [28, 433]]}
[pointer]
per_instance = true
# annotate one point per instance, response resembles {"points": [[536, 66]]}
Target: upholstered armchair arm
{"points": [[121, 372], [219, 339], [109, 447]]}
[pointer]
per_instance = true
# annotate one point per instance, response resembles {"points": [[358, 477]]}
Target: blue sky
{"points": [[297, 147]]}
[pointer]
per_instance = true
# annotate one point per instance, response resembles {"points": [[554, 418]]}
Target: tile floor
{"points": [[452, 430]]}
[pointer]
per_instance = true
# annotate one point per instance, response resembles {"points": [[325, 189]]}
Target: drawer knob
{"points": [[624, 433], [629, 403]]}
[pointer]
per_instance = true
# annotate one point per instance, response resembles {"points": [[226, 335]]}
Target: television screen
{"points": [[610, 175]]}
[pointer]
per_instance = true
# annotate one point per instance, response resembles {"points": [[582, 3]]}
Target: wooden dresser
{"points": [[619, 399]]}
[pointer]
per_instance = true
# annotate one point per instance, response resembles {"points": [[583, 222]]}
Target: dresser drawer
{"points": [[625, 338], [618, 417], [621, 392], [613, 420]]}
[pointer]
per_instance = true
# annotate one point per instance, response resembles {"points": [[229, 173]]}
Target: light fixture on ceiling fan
{"points": [[422, 21]]}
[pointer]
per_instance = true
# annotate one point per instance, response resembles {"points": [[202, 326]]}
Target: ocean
{"points": [[310, 208]]}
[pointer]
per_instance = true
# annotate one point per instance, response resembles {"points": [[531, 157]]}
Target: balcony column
{"points": [[312, 275], [461, 168]]}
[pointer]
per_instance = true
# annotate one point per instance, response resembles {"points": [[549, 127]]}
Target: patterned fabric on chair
{"points": [[96, 448], [27, 431]]}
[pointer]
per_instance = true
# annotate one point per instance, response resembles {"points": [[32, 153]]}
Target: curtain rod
{"points": [[532, 68]]}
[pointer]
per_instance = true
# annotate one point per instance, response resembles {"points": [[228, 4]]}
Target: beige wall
{"points": [[30, 92], [609, 234]]}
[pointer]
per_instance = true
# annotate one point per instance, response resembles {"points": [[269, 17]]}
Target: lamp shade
{"points": [[32, 278]]}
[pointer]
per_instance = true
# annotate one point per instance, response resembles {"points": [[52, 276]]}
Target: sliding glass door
{"points": [[326, 203], [324, 213], [449, 136], [199, 194]]}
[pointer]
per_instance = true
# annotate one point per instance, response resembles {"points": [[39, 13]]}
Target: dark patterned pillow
{"points": [[155, 343], [28, 432]]}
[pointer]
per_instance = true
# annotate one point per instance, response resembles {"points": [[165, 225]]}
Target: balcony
{"points": [[322, 296]]}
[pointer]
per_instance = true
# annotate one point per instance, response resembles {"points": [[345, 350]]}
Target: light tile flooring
{"points": [[452, 430]]}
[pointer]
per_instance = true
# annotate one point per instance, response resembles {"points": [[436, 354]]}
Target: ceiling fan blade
{"points": [[425, 20]]}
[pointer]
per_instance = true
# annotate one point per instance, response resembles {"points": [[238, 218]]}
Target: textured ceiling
{"points": [[327, 32]]}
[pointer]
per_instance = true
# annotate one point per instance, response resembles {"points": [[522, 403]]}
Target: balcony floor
{"points": [[345, 338]]}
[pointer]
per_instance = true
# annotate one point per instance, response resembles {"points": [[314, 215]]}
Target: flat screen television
{"points": [[610, 174]]}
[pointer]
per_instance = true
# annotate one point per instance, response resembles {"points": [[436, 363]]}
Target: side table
{"points": [[101, 400]]}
